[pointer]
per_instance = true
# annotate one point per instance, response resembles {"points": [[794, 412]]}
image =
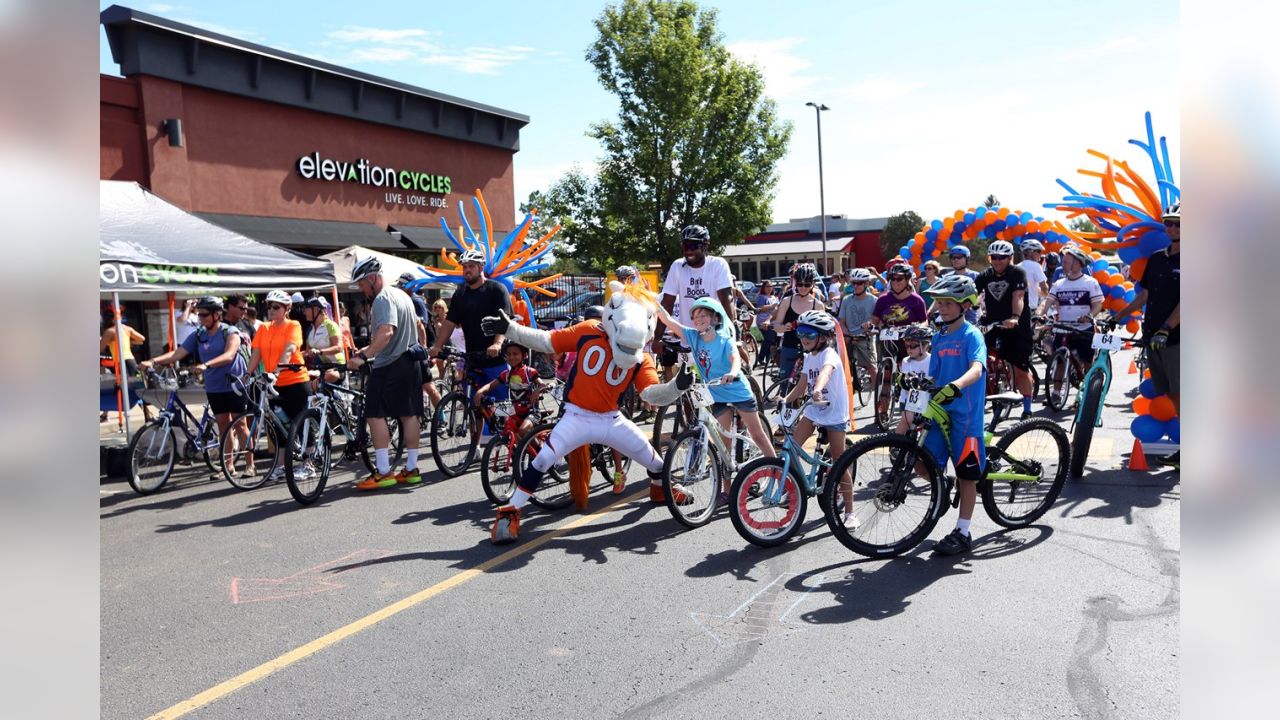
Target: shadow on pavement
{"points": [[1118, 492]]}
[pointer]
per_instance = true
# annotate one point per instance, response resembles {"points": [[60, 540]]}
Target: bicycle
{"points": [[154, 447], [899, 490], [554, 492], [863, 387], [266, 430], [886, 395], [496, 477], [697, 463], [1064, 371], [1094, 387], [750, 346], [456, 423], [769, 495], [1000, 377]]}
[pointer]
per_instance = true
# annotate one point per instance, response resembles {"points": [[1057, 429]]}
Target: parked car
{"points": [[559, 313]]}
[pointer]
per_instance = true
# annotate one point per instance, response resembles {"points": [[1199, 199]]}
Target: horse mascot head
{"points": [[629, 320]]}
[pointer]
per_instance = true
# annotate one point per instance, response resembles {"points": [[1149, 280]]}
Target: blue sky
{"points": [[933, 104]]}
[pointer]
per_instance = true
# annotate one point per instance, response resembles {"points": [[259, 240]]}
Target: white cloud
{"points": [[783, 69], [879, 88], [358, 34], [355, 44]]}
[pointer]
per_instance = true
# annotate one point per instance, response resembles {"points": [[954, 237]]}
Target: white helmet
{"points": [[364, 268], [471, 256], [858, 275], [279, 296], [1032, 245], [819, 320], [1000, 247]]}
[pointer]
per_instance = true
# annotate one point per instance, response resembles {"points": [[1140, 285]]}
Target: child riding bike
{"points": [[519, 383], [916, 340]]}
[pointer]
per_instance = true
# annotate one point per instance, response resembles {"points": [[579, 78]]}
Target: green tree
{"points": [[991, 201], [1082, 225], [900, 229], [695, 141]]}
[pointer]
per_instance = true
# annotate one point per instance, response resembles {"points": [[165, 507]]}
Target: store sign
{"points": [[128, 274], [401, 184]]}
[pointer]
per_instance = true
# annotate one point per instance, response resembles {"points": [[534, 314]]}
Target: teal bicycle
{"points": [[769, 495], [1093, 389], [900, 492]]}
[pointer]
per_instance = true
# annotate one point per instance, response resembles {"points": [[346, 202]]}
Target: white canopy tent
{"points": [[393, 267]]}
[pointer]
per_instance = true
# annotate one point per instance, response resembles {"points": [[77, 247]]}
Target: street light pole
{"points": [[822, 201]]}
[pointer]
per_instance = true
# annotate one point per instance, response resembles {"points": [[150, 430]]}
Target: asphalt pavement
{"points": [[221, 603]]}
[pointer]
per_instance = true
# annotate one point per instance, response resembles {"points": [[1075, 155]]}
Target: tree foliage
{"points": [[991, 201], [695, 140], [1082, 225], [900, 229]]}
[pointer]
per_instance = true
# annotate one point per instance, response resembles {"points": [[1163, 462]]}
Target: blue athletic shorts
{"points": [[968, 447]]}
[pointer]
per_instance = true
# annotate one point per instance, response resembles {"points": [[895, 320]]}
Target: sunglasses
{"points": [[800, 285], [203, 314], [1172, 223], [691, 245], [807, 334], [912, 346], [276, 306], [999, 257]]}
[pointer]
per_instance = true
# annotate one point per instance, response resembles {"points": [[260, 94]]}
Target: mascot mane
{"points": [[629, 320]]}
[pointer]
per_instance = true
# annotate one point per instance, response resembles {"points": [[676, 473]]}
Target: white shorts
{"points": [[581, 427]]}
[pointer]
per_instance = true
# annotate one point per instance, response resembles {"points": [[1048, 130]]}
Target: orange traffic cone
{"points": [[1133, 366], [1137, 458]]}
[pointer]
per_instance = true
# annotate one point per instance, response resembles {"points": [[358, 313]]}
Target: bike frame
{"points": [[792, 452], [175, 409]]}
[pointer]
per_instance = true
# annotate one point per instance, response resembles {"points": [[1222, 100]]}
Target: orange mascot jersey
{"points": [[594, 383]]}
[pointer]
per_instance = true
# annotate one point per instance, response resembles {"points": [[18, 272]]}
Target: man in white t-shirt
{"points": [[1037, 280], [1078, 298], [697, 275], [187, 322]]}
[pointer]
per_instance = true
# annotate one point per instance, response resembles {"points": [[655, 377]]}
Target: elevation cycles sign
{"points": [[401, 184]]}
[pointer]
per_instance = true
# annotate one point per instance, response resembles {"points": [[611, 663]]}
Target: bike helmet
{"points": [[902, 270], [1174, 212], [210, 303], [1075, 252], [955, 287], [507, 344], [819, 320], [806, 273], [919, 333], [695, 233], [318, 302], [861, 275], [626, 273], [1002, 248], [1032, 245], [405, 278], [593, 312], [279, 296], [960, 250], [715, 307], [471, 256], [364, 268]]}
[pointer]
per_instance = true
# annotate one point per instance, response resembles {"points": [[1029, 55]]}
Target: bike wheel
{"points": [[767, 506], [260, 447], [691, 470], [395, 448], [496, 476], [669, 421], [752, 347], [1038, 447], [1057, 381], [862, 385], [553, 492], [898, 496], [152, 452], [886, 394], [602, 460], [1082, 435], [207, 444], [454, 434], [306, 465], [745, 451]]}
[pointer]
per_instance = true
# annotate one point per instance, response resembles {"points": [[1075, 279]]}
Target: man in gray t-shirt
{"points": [[856, 308], [392, 307]]}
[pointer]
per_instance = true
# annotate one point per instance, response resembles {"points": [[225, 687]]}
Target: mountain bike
{"points": [[697, 466], [769, 495], [863, 387], [887, 405], [156, 446], [554, 492], [1093, 391], [900, 492], [456, 422], [1000, 377], [1064, 371], [750, 346]]}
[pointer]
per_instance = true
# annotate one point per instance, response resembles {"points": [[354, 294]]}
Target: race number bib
{"points": [[917, 401], [1107, 341], [891, 333], [701, 396]]}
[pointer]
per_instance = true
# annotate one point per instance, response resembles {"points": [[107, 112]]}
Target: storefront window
{"points": [[768, 269]]}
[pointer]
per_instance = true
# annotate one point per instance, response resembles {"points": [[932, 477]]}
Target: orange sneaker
{"points": [[656, 494], [506, 528], [376, 481], [619, 482]]}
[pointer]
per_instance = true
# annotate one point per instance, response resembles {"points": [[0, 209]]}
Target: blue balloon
{"points": [[1012, 220], [1026, 217], [999, 225], [1153, 242], [1147, 429], [936, 224], [989, 232], [1147, 389], [905, 252], [1173, 429], [879, 285], [1099, 265], [1137, 287], [1129, 295], [981, 212], [968, 219], [959, 228], [1116, 292], [956, 240], [931, 234], [1129, 255]]}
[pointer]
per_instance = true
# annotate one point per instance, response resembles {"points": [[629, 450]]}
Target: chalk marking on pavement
{"points": [[251, 676]]}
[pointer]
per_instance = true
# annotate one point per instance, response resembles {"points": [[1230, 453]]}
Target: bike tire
{"points": [[692, 468], [1082, 434], [887, 417], [668, 422], [454, 435], [863, 385], [261, 443], [766, 508], [207, 444], [875, 505], [1057, 393], [1038, 444], [752, 347], [496, 477], [308, 461], [745, 451], [602, 460], [553, 492], [151, 457]]}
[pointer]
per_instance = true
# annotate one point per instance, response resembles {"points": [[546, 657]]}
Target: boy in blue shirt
{"points": [[958, 367]]}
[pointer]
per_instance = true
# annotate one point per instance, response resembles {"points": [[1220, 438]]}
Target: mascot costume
{"points": [[610, 358]]}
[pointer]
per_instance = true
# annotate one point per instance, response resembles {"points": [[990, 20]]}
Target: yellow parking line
{"points": [[251, 676]]}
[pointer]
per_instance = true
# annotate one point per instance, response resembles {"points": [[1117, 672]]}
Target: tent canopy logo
{"points": [[360, 170], [127, 274]]}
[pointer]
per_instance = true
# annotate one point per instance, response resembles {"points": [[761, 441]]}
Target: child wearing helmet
{"points": [[916, 341], [519, 383], [958, 366], [822, 378]]}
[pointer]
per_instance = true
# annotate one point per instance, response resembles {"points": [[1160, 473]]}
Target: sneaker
{"points": [[506, 527], [304, 472], [954, 544], [376, 481], [619, 481], [681, 496], [409, 477], [276, 474], [1173, 460], [850, 521], [1026, 414]]}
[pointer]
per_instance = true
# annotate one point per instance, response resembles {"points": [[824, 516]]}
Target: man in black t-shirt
{"points": [[1003, 291], [476, 299], [1162, 295]]}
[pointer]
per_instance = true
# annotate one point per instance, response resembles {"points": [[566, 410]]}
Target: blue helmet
{"points": [[958, 250]]}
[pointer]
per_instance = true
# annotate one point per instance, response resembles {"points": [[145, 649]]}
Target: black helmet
{"points": [[918, 333], [900, 270], [593, 312], [806, 273], [696, 233], [507, 344], [210, 303]]}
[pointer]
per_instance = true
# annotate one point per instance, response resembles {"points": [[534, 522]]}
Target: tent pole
{"points": [[173, 326], [124, 379]]}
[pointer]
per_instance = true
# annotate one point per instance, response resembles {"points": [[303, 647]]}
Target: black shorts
{"points": [[394, 390], [1015, 346], [293, 399], [225, 402], [1081, 344]]}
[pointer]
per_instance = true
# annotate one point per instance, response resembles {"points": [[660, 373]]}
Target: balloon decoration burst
{"points": [[1129, 212], [505, 260], [995, 223]]}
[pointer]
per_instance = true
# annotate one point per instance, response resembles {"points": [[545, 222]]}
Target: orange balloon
{"points": [[1162, 409], [1133, 326], [1146, 374], [1128, 284], [1137, 267], [947, 223], [920, 237], [1142, 406], [1102, 277]]}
